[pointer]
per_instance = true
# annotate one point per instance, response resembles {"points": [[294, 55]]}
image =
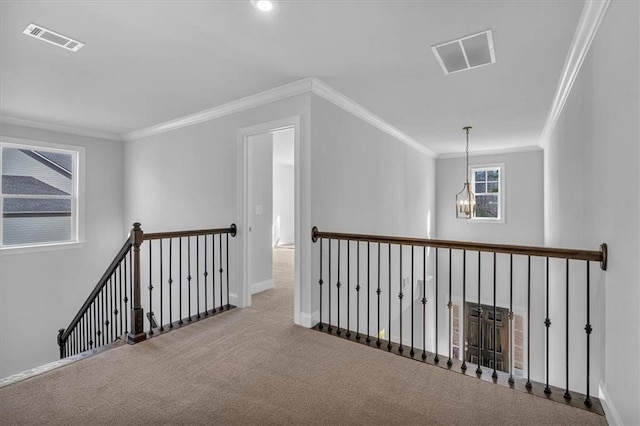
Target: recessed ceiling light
{"points": [[52, 37], [465, 53], [264, 5]]}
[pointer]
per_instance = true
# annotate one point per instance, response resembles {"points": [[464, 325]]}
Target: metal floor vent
{"points": [[52, 37], [465, 53]]}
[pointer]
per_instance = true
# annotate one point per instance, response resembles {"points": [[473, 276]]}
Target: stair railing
{"points": [[363, 280], [114, 309]]}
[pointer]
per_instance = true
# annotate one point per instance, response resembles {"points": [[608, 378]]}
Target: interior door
{"points": [[485, 338]]}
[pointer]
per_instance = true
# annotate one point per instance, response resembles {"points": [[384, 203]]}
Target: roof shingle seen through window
{"points": [[28, 185]]}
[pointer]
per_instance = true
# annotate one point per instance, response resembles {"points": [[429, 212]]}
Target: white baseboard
{"points": [[309, 320], [613, 417], [261, 286], [234, 299]]}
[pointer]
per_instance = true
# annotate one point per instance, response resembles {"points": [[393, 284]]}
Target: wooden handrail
{"points": [[64, 335], [561, 253], [177, 234]]}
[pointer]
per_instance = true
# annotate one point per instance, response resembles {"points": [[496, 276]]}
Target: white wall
{"points": [[261, 211], [40, 292], [284, 185], [523, 198], [365, 181], [591, 181]]}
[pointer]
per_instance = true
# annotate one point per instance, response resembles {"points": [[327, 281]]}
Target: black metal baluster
{"points": [[494, 375], [511, 331], [170, 282], [227, 239], [92, 320], [479, 311], [412, 352], [180, 281], [113, 313], [206, 310], [368, 339], [400, 295], [378, 291], [338, 285], [547, 323], [463, 367], [213, 275], [567, 395], [358, 292], [329, 327], [436, 359], [450, 307], [120, 294], [528, 385], [424, 302], [102, 316], [161, 282], [389, 345], [125, 313], [150, 289], [588, 330], [348, 333], [320, 282], [189, 276], [198, 276]]}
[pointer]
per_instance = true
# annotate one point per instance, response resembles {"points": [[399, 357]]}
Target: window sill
{"points": [[494, 221], [40, 248]]}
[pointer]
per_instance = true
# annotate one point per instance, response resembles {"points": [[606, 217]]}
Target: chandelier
{"points": [[466, 199]]}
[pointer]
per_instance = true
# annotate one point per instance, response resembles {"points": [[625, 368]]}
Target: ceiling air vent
{"points": [[465, 53], [52, 37]]}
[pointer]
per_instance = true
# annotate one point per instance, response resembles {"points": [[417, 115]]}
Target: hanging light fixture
{"points": [[466, 199]]}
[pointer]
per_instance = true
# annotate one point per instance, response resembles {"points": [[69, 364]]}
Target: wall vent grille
{"points": [[52, 37], [473, 51]]}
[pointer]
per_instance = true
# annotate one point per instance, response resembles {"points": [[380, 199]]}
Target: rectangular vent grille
{"points": [[465, 53], [52, 37]]}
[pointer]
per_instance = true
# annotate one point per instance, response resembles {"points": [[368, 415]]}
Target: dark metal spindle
{"points": [[494, 375], [528, 385], [189, 275], [412, 352], [120, 293], [368, 339], [170, 282], [150, 287], [450, 307], [180, 281], [161, 282], [125, 313], [400, 348], [338, 285], [221, 270], [206, 310], [378, 291], [436, 359], [547, 323], [348, 333], [567, 395], [320, 282], [424, 302], [588, 330], [358, 292], [213, 268], [114, 321], [198, 276], [389, 345], [329, 327], [479, 311], [227, 239], [511, 331], [463, 367]]}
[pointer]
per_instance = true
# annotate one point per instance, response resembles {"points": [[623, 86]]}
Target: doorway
{"points": [[485, 337]]}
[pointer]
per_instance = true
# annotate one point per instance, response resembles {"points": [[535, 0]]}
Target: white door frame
{"points": [[244, 292]]}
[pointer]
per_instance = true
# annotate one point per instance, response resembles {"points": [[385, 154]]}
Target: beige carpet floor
{"points": [[254, 366]]}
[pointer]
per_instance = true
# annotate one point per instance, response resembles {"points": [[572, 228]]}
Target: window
{"points": [[487, 184], [39, 195]]}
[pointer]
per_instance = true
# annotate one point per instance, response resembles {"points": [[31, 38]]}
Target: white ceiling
{"points": [[147, 62]]}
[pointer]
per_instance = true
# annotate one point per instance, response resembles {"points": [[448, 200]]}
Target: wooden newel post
{"points": [[61, 344], [137, 333]]}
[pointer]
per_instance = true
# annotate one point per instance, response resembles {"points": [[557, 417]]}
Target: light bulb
{"points": [[264, 5]]}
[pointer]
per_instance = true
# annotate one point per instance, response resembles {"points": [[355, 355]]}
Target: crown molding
{"points": [[590, 20], [516, 150], [59, 128], [329, 93], [242, 104]]}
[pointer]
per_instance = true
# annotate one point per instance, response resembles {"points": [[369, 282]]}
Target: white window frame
{"points": [[501, 190], [78, 196]]}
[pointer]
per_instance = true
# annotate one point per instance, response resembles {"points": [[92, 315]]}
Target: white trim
{"points": [[59, 128], [612, 414], [282, 92], [504, 151], [592, 15], [261, 286], [309, 320], [327, 92]]}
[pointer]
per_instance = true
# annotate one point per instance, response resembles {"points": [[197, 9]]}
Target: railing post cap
{"points": [[137, 226]]}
